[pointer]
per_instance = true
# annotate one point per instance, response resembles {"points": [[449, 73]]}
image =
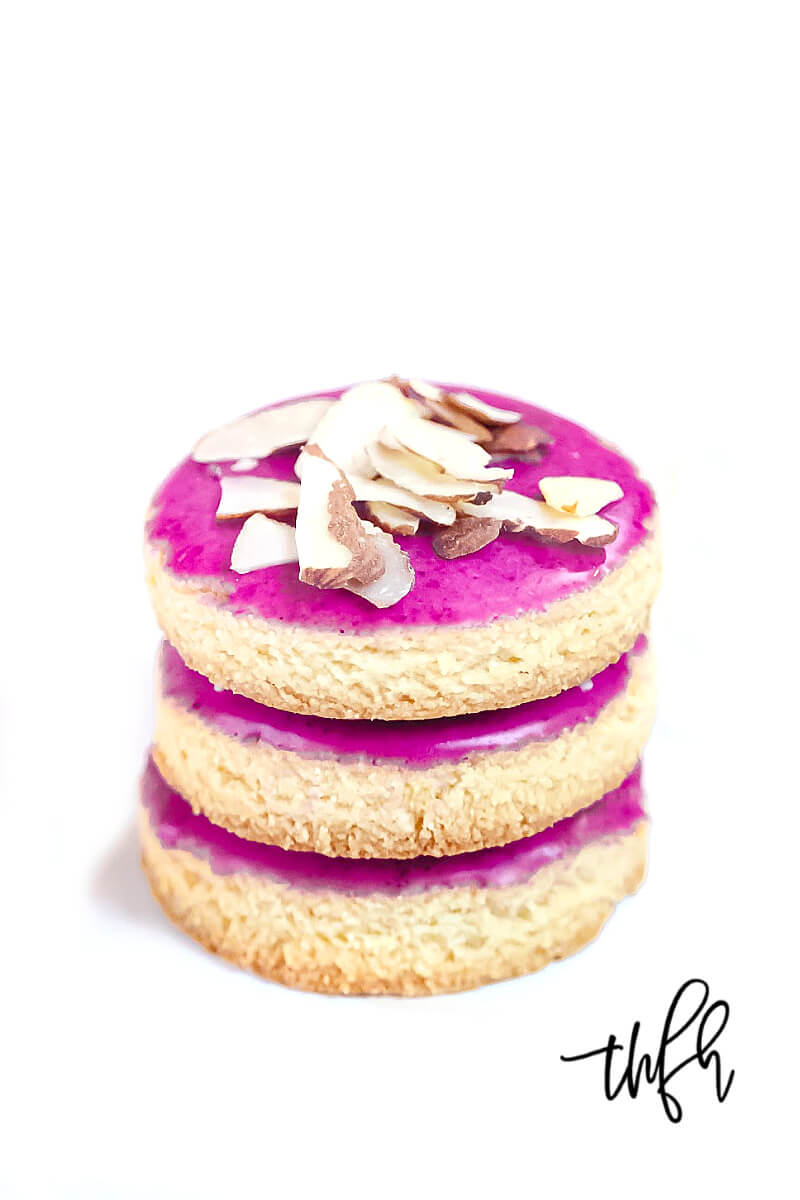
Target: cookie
{"points": [[374, 789], [452, 553], [410, 928]]}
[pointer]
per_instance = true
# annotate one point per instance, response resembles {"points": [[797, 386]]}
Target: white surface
{"points": [[206, 206]]}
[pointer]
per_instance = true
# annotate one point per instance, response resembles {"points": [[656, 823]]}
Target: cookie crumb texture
{"points": [[444, 940]]}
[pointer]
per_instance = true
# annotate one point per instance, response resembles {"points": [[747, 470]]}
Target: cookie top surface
{"points": [[515, 574]]}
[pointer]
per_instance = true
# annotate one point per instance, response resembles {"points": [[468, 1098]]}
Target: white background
{"points": [[207, 206]]}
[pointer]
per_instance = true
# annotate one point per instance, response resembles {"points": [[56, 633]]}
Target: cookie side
{"points": [[383, 810], [445, 940], [409, 674]]}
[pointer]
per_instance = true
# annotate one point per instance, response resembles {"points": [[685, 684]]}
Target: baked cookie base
{"points": [[413, 673], [447, 939], [362, 809]]}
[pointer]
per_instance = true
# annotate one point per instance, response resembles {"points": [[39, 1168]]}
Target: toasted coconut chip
{"points": [[397, 577], [356, 419], [448, 449], [420, 476], [428, 391], [488, 414], [518, 512], [262, 543], [245, 494], [261, 434], [465, 402], [440, 410], [467, 535], [436, 404], [332, 547], [578, 495], [381, 491], [518, 439], [595, 531], [391, 519]]}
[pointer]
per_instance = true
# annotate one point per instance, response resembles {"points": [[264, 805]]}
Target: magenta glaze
{"points": [[514, 574], [178, 828], [412, 743]]}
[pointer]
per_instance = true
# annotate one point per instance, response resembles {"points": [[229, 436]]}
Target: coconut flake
{"points": [[517, 439], [332, 547], [488, 414], [391, 519], [518, 512], [356, 419], [264, 432], [579, 495], [436, 403], [382, 491], [466, 536], [464, 402], [441, 411], [397, 578], [421, 477], [428, 391], [448, 449], [262, 542], [241, 495]]}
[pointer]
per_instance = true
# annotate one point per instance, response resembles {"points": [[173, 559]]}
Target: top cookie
{"points": [[496, 597]]}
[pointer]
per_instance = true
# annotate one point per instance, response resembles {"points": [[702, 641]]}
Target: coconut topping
{"points": [[241, 495], [263, 433], [447, 449], [356, 420], [577, 495], [383, 491], [417, 474], [333, 547], [517, 439], [435, 403], [467, 535], [391, 519], [261, 543], [406, 452], [519, 513], [488, 414], [465, 412], [397, 576]]}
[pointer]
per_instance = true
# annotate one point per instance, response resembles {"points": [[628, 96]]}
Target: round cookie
{"points": [[364, 789], [518, 620], [404, 928]]}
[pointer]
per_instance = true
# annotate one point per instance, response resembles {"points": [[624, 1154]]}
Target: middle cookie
{"points": [[398, 789]]}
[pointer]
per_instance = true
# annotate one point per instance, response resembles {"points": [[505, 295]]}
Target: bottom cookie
{"points": [[403, 927]]}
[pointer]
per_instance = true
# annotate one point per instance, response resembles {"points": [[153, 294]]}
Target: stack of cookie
{"points": [[404, 691]]}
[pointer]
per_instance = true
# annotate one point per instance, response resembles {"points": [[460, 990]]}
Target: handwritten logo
{"points": [[708, 1026]]}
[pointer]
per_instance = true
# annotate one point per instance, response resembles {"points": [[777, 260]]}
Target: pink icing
{"points": [[178, 828], [413, 743], [514, 574]]}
